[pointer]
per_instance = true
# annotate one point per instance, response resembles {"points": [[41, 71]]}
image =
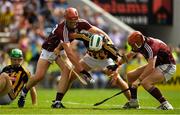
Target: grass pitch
{"points": [[80, 101]]}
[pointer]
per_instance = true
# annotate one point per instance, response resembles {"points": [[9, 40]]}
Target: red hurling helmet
{"points": [[136, 40], [71, 14]]}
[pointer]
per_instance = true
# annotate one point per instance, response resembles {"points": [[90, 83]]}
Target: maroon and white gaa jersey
{"points": [[154, 47], [61, 33]]}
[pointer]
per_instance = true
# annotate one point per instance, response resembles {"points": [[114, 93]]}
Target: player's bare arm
{"points": [[33, 95], [96, 30], [126, 58], [72, 57]]}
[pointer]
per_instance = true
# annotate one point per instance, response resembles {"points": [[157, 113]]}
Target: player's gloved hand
{"points": [[112, 67], [87, 76]]}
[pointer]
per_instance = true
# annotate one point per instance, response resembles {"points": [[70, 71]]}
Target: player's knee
{"points": [[145, 84]]}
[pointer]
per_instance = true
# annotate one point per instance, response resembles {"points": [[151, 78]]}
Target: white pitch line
{"points": [[106, 105], [109, 105], [75, 103]]}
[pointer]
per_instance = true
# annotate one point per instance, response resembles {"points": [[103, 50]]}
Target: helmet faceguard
{"points": [[96, 42], [136, 40]]}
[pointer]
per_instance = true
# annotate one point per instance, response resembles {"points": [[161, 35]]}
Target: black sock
{"points": [[59, 96], [133, 93], [155, 92]]}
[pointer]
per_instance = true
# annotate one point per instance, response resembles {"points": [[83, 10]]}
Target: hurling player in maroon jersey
{"points": [[160, 67], [59, 37]]}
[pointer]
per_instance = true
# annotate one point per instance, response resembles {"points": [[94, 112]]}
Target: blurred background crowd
{"points": [[26, 24]]}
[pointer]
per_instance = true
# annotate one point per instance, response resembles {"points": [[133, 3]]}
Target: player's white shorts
{"points": [[168, 70], [5, 100], [97, 63], [50, 56]]}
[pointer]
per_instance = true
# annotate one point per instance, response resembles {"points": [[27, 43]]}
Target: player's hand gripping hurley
{"points": [[72, 70]]}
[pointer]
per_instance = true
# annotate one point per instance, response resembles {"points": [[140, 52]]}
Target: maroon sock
{"points": [[155, 92]]}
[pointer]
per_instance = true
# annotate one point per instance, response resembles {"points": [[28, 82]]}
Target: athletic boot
{"points": [[165, 106], [21, 102], [132, 104], [57, 104]]}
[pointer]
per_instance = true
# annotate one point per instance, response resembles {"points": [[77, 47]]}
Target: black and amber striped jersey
{"points": [[108, 49], [19, 77]]}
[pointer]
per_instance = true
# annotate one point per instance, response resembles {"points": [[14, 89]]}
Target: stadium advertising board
{"points": [[140, 12]]}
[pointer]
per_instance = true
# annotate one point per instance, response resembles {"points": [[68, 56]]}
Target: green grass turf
{"points": [[80, 101]]}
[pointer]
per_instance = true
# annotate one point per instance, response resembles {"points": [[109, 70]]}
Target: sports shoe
{"points": [[57, 104], [165, 106], [21, 102], [131, 104]]}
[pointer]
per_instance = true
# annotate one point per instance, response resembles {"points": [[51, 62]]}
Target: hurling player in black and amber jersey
{"points": [[160, 67], [12, 79]]}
